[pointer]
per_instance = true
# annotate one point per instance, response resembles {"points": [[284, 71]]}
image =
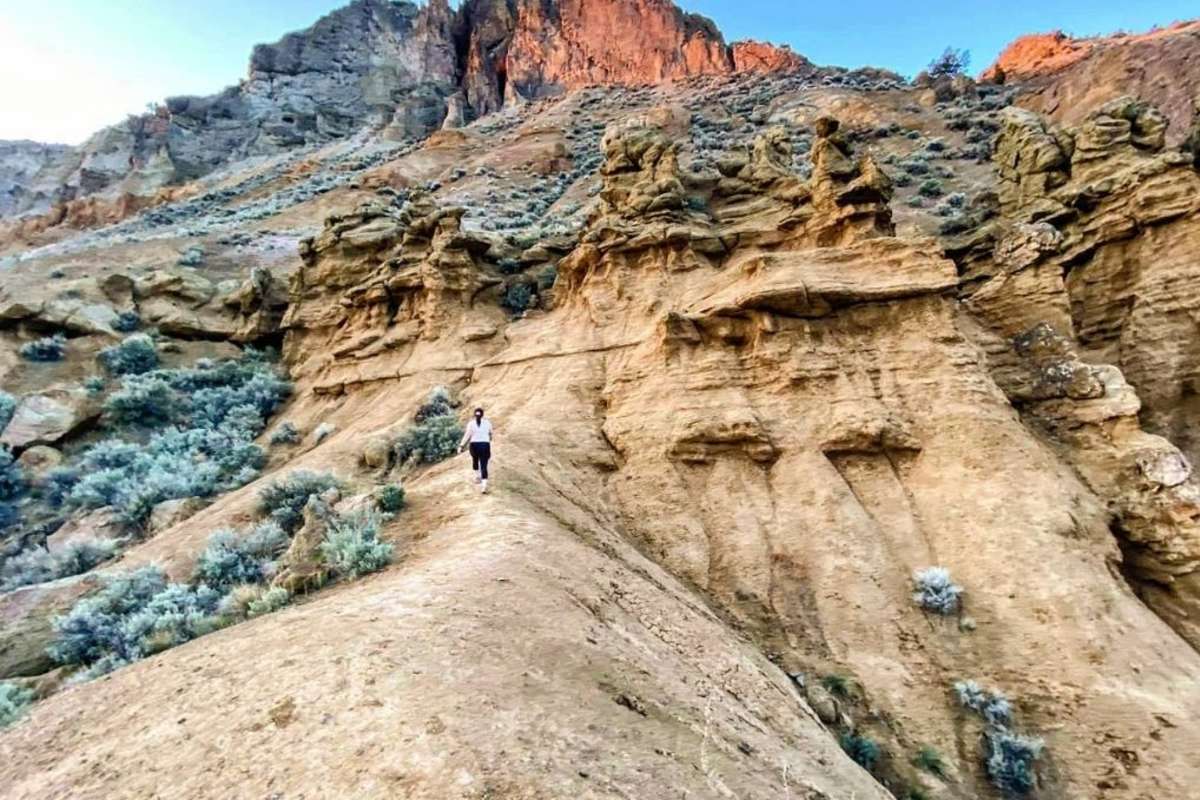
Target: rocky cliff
{"points": [[392, 66], [1065, 78], [843, 451]]}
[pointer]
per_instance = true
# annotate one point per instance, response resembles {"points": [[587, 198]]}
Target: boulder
{"points": [[102, 524], [823, 703], [27, 623], [36, 461], [376, 452], [301, 569], [48, 417]]}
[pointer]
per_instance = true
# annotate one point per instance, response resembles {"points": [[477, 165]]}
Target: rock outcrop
{"points": [[1064, 78], [532, 48], [754, 56], [378, 280], [30, 174], [1088, 291], [374, 62]]}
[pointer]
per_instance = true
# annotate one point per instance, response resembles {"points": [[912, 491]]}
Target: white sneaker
{"points": [[477, 477], [484, 489]]}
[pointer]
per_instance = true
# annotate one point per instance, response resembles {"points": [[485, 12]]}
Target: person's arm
{"points": [[466, 435]]}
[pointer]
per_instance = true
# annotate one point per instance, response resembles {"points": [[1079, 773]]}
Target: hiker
{"points": [[479, 434]]}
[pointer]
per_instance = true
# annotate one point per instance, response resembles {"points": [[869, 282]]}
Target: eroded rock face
{"points": [[1086, 298], [30, 174], [566, 44], [378, 280], [797, 416]]}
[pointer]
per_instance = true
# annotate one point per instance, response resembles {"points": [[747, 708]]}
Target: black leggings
{"points": [[480, 453]]}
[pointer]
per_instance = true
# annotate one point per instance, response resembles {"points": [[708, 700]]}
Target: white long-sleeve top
{"points": [[478, 431]]}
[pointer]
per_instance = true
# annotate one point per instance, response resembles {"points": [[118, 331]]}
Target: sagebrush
{"points": [[352, 546], [283, 500]]}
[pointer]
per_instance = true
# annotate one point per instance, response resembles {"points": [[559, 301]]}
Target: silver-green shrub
{"points": [[230, 559], [134, 355], [352, 546], [1009, 757], [283, 500], [14, 700], [50, 348], [935, 591], [8, 406]]}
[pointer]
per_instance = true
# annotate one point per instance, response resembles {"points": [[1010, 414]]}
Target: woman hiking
{"points": [[479, 435]]}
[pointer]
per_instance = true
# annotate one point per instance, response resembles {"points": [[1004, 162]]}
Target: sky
{"points": [[70, 67]]}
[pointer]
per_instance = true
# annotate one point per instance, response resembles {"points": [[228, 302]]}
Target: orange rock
{"points": [[753, 56]]}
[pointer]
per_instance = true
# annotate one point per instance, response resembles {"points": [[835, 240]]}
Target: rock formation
{"points": [[1088, 286], [1065, 78], [374, 62], [532, 48], [752, 56], [741, 393]]}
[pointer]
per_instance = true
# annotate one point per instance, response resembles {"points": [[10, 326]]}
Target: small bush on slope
{"points": [[935, 591], [352, 546], [51, 348], [12, 478], [993, 706], [437, 432], [8, 406], [323, 432], [13, 702], [863, 749], [148, 403], [127, 322], [284, 500], [230, 559], [430, 441], [10, 517], [285, 434], [437, 404], [930, 760], [1010, 760], [268, 602], [135, 355], [390, 499], [518, 298], [177, 614], [37, 565], [1008, 756]]}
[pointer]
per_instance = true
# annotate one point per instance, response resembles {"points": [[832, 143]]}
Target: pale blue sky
{"points": [[68, 67]]}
